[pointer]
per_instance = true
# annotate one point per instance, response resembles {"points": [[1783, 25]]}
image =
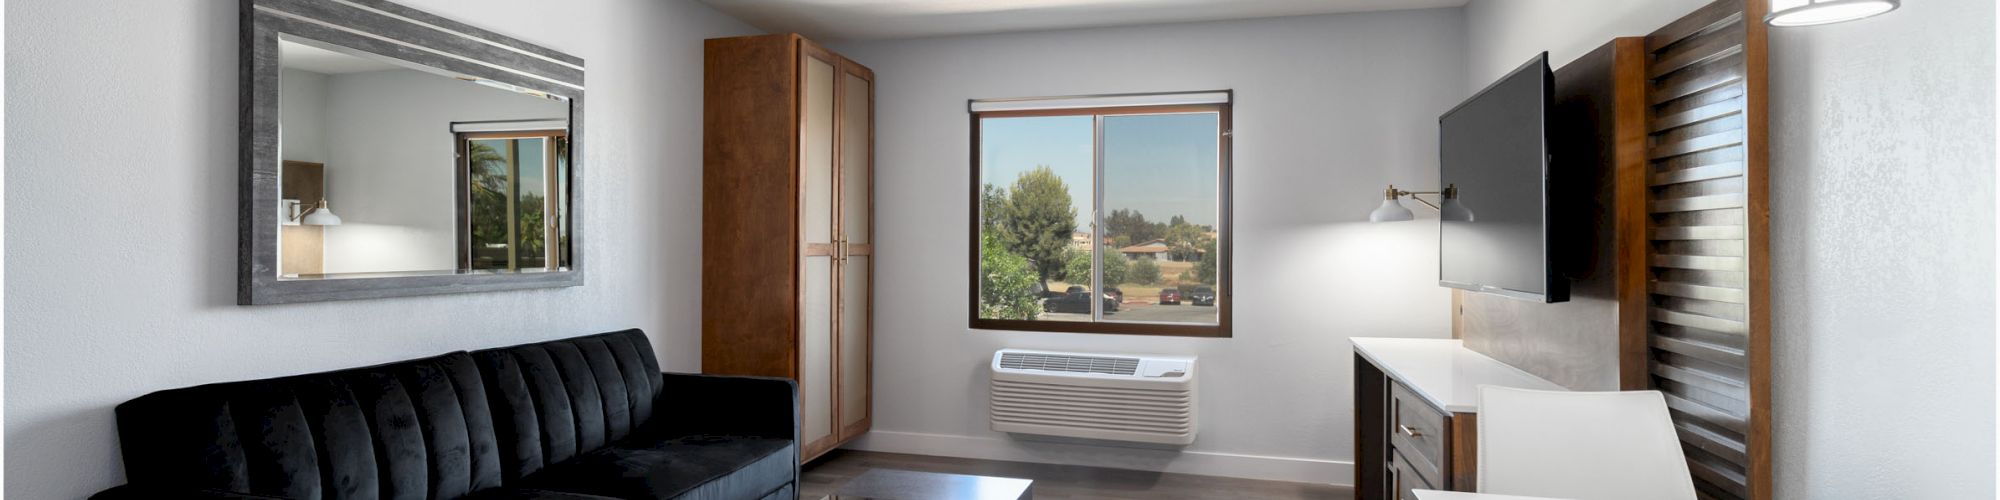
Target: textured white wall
{"points": [[1882, 234], [121, 260], [1882, 242], [1329, 109]]}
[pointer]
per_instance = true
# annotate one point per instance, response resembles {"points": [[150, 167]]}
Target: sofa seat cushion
{"points": [[531, 494], [687, 467]]}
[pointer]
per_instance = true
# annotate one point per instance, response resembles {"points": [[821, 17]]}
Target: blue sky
{"points": [[1160, 165]]}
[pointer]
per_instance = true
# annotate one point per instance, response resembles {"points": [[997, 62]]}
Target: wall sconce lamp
{"points": [[318, 215], [1448, 206], [1785, 13]]}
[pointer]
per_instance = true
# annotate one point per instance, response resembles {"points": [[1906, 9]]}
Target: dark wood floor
{"points": [[1062, 482]]}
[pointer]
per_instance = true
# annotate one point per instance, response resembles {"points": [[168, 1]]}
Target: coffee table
{"points": [[892, 484]]}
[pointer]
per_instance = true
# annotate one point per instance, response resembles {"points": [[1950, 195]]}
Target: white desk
{"points": [[1460, 495], [1443, 371], [1415, 404]]}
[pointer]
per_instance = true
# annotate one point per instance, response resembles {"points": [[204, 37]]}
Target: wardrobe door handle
{"points": [[1407, 431]]}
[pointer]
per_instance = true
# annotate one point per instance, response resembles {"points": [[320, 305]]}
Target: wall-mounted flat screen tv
{"points": [[1496, 234]]}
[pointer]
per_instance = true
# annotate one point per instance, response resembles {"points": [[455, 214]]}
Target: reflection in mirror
{"points": [[395, 169]]}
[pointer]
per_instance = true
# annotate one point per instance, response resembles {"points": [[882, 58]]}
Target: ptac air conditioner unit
{"points": [[1145, 399]]}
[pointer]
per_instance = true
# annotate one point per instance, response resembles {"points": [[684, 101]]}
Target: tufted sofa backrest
{"points": [[438, 427], [555, 400]]}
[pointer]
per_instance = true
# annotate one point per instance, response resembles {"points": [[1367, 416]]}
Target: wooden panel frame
{"points": [[1629, 178], [1371, 430], [394, 31], [750, 253], [1757, 177], [1225, 227], [1462, 450]]}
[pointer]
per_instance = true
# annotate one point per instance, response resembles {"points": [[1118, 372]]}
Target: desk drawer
{"points": [[1417, 430], [1403, 478]]}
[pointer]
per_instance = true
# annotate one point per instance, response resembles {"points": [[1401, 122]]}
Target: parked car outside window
{"points": [[1078, 302], [1202, 296]]}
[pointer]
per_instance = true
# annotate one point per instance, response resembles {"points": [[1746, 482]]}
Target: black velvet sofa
{"points": [[583, 418]]}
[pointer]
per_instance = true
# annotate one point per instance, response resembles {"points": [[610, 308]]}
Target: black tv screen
{"points": [[1495, 234]]}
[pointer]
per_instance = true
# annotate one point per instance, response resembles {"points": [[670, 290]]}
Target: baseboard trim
{"points": [[1206, 463]]}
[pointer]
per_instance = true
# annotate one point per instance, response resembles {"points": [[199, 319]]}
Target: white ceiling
{"points": [[300, 56], [879, 19]]}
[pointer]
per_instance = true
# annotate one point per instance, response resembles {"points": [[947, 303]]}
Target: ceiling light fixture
{"points": [[1788, 13]]}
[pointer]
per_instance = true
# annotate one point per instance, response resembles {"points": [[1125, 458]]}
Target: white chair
{"points": [[1580, 445]]}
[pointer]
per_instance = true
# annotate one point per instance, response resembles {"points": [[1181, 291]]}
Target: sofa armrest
{"points": [[765, 407], [138, 492]]}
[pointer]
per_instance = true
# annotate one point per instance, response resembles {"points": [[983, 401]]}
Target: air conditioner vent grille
{"points": [[1069, 363]]}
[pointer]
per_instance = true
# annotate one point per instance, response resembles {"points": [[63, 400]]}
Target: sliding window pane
{"points": [[489, 164], [530, 203], [1034, 216], [1162, 213]]}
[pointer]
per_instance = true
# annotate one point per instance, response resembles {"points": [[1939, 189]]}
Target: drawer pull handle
{"points": [[1407, 431]]}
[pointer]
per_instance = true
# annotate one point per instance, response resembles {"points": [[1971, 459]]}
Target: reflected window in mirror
{"points": [[430, 172], [516, 190]]}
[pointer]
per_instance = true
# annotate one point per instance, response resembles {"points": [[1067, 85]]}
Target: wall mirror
{"points": [[391, 152]]}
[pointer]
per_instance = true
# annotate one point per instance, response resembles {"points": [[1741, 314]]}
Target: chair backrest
{"points": [[1580, 445]]}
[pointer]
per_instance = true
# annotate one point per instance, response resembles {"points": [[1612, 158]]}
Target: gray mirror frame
{"points": [[396, 31]]}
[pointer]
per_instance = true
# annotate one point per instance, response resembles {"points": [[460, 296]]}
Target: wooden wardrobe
{"points": [[787, 225]]}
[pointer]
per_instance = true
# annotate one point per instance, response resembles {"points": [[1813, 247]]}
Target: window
{"points": [[1103, 214], [515, 210]]}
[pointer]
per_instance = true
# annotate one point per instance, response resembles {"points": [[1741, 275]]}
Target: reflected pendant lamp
{"points": [[320, 216], [1787, 13], [1452, 210]]}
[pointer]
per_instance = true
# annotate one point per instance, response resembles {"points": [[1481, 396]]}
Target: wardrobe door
{"points": [[856, 137], [817, 219]]}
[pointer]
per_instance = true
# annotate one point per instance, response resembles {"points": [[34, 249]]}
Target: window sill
{"points": [[1148, 329]]}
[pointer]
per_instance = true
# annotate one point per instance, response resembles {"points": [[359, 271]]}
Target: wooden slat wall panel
{"points": [[1705, 265], [1705, 250]]}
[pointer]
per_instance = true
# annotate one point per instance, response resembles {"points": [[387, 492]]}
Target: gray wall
{"points": [[105, 304], [301, 128], [1882, 227], [1329, 110]]}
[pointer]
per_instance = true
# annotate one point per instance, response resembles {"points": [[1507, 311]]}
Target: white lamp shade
{"points": [[321, 216], [1452, 210], [1816, 12], [1391, 211]]}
